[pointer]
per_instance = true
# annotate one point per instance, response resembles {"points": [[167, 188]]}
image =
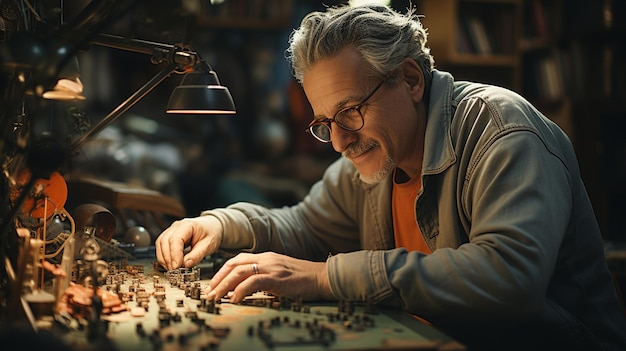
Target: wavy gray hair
{"points": [[383, 36]]}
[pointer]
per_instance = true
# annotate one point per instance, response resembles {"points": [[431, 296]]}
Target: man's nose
{"points": [[341, 138]]}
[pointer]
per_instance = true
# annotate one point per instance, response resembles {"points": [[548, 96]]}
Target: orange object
{"points": [[407, 233], [45, 197]]}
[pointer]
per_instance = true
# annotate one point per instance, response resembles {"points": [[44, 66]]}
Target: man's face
{"points": [[388, 137]]}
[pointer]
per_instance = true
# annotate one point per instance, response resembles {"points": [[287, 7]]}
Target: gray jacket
{"points": [[517, 253]]}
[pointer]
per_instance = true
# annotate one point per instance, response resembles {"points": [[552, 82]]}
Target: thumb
{"points": [[193, 257]]}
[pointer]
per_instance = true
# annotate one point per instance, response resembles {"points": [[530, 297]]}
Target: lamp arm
{"points": [[126, 105], [180, 54], [179, 58], [128, 44]]}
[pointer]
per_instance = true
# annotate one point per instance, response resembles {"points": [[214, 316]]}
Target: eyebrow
{"points": [[341, 104]]}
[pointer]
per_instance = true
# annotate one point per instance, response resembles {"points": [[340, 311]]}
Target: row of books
{"points": [[493, 37], [254, 9], [576, 71], [551, 19], [536, 20]]}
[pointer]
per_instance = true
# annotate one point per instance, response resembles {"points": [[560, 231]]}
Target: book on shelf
{"points": [[548, 76], [478, 35], [463, 42], [552, 78], [504, 33], [538, 19]]}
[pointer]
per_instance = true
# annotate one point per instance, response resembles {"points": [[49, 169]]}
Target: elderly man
{"points": [[455, 201]]}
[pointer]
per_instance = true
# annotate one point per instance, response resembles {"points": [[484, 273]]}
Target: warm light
{"points": [[68, 86], [66, 89]]}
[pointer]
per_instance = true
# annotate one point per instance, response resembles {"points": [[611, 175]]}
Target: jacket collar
{"points": [[438, 150]]}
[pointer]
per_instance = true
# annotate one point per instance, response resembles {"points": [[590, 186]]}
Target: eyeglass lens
{"points": [[349, 119]]}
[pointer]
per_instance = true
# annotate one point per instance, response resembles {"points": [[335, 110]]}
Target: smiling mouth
{"points": [[359, 150]]}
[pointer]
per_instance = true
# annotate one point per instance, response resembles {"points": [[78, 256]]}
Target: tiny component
{"points": [[195, 291], [139, 329], [220, 332], [209, 306], [211, 345], [345, 306], [164, 319], [137, 312]]}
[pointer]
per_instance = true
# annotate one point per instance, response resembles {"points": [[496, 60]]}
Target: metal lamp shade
{"points": [[201, 93]]}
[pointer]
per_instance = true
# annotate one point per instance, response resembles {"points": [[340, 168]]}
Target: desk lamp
{"points": [[199, 92]]}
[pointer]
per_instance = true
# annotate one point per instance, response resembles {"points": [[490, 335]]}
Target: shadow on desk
{"points": [[21, 338]]}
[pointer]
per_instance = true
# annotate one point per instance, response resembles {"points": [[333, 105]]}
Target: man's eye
{"points": [[349, 115]]}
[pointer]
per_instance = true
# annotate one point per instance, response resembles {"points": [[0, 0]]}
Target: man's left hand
{"points": [[277, 274]]}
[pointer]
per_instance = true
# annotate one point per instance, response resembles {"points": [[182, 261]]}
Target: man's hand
{"points": [[204, 235], [280, 275]]}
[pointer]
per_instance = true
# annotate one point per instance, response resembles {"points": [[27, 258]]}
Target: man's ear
{"points": [[414, 78]]}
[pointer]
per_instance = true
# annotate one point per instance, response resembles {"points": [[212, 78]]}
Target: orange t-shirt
{"points": [[407, 233]]}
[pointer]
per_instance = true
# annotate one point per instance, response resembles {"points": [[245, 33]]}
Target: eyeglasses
{"points": [[348, 118]]}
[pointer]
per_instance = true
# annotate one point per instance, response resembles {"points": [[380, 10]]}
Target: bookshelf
{"points": [[566, 57], [573, 53], [545, 60], [246, 14], [476, 39]]}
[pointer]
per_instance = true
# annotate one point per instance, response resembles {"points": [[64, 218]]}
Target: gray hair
{"points": [[383, 36]]}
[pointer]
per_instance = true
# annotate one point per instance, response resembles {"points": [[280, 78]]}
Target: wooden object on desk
{"points": [[121, 198]]}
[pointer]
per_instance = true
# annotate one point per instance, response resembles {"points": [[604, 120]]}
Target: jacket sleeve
{"points": [[323, 222], [516, 204]]}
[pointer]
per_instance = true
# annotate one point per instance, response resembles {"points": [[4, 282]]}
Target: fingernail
{"points": [[189, 263], [234, 298], [174, 264]]}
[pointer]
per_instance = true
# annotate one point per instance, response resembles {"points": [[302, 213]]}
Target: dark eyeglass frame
{"points": [[327, 121]]}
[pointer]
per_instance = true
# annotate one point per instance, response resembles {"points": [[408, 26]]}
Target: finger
{"points": [[230, 281], [163, 249], [226, 268], [176, 245], [247, 287], [158, 246], [194, 256], [172, 242], [229, 265]]}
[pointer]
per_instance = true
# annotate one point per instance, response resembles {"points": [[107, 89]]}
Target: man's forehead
{"points": [[347, 61]]}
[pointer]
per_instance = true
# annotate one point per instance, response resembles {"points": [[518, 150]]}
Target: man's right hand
{"points": [[203, 234]]}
